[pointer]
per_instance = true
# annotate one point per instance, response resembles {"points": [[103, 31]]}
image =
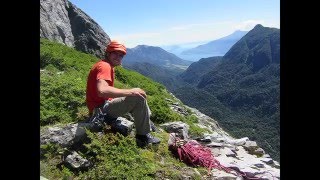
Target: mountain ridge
{"points": [[155, 55], [247, 83], [218, 46], [212, 48]]}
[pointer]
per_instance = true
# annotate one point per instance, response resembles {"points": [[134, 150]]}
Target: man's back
{"points": [[100, 70]]}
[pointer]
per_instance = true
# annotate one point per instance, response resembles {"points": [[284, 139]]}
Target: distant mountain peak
{"points": [[217, 47], [258, 26], [147, 47], [153, 49], [155, 55], [141, 46], [255, 48]]}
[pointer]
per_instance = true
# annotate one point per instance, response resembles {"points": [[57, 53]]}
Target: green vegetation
{"points": [[115, 157], [242, 92], [63, 78], [252, 111], [156, 73], [194, 130], [63, 82]]}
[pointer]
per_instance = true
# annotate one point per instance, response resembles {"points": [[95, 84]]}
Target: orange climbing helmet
{"points": [[116, 46]]}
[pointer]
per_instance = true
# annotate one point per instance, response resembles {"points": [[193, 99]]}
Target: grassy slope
{"points": [[62, 100]]}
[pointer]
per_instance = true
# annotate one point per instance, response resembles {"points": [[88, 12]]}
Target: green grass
{"points": [[62, 100]]}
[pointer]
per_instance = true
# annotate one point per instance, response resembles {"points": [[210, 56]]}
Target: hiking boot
{"points": [[110, 120], [144, 140], [153, 127], [96, 120], [116, 126]]}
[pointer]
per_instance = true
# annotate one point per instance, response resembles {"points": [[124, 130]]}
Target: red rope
{"points": [[195, 154]]}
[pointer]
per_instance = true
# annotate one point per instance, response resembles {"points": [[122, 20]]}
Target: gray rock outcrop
{"points": [[63, 22], [76, 161], [239, 155], [55, 23]]}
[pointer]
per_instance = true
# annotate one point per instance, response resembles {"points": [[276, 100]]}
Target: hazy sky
{"points": [[169, 22]]}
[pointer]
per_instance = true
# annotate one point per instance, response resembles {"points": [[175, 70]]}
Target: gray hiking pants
{"points": [[137, 106]]}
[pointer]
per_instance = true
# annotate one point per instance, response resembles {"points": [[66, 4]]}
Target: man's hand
{"points": [[138, 92]]}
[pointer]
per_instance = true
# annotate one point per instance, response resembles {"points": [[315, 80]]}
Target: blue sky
{"points": [[171, 22]]}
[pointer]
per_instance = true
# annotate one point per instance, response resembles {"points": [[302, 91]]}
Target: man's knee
{"points": [[136, 99]]}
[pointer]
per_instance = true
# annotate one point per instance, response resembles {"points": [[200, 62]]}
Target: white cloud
{"points": [[248, 25], [195, 25], [188, 33]]}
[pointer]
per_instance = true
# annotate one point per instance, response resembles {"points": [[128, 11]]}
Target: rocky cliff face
{"points": [[63, 22]]}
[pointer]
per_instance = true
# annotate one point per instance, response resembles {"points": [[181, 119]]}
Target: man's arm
{"points": [[104, 90]]}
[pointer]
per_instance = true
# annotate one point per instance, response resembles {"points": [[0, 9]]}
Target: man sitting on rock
{"points": [[103, 96]]}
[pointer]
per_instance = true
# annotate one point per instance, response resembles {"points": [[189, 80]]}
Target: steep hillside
{"points": [[197, 69], [257, 49], [63, 76], [60, 65], [247, 82]]}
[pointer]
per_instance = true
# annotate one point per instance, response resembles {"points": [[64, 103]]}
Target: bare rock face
{"points": [[88, 35], [63, 22], [54, 21]]}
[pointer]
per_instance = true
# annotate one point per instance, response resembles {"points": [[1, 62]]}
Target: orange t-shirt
{"points": [[100, 70]]}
